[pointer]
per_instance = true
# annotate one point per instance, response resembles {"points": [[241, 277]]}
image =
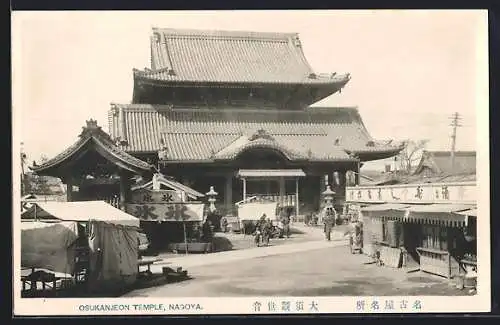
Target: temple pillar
{"points": [[69, 188], [124, 189], [228, 194], [282, 190], [358, 169], [322, 186], [244, 189], [297, 198]]}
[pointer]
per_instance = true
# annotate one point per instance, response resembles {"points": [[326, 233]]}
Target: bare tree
{"points": [[410, 155]]}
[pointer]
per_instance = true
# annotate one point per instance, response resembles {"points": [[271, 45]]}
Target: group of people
{"points": [[265, 229], [203, 232]]}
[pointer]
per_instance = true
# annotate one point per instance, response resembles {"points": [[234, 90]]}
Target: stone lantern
{"points": [[211, 199], [328, 196]]}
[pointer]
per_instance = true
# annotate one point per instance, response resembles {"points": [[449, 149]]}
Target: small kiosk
{"points": [[86, 247]]}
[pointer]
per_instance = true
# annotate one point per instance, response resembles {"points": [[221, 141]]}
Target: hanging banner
{"points": [[167, 211], [414, 193], [145, 196]]}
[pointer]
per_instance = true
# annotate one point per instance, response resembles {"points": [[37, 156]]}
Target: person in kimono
{"points": [[285, 220], [329, 221]]}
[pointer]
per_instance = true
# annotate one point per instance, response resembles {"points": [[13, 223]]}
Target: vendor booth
{"points": [[440, 232], [170, 214], [89, 243], [250, 212]]}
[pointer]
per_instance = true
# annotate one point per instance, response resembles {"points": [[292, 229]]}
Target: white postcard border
{"points": [[481, 302]]}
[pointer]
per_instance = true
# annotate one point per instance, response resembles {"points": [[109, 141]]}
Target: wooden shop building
{"points": [[426, 226]]}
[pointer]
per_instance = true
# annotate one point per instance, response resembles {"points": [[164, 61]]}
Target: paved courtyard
{"points": [[315, 268], [237, 242]]}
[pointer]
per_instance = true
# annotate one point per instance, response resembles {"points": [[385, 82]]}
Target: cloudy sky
{"points": [[410, 70]]}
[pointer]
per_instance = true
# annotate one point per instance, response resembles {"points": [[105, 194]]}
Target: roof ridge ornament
{"points": [[92, 124], [296, 40], [261, 134], [90, 128], [156, 37]]}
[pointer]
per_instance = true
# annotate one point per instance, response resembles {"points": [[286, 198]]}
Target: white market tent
{"points": [[81, 211]]}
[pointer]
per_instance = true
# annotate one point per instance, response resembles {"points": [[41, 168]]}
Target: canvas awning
{"points": [[438, 214], [387, 210], [271, 173], [81, 211], [469, 213]]}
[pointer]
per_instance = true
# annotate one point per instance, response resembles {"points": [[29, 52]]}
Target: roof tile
{"points": [[231, 57], [199, 134]]}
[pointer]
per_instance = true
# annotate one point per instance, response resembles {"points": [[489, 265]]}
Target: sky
{"points": [[411, 70]]}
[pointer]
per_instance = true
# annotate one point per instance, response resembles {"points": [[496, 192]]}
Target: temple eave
{"points": [[145, 78], [91, 140], [369, 155]]}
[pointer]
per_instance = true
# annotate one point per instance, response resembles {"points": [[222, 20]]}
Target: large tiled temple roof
{"points": [[232, 57], [315, 134]]}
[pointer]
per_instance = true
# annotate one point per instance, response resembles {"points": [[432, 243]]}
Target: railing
{"points": [[113, 200], [286, 200], [248, 199]]}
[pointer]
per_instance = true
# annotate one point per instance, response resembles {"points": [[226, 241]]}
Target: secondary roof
{"points": [[204, 135]]}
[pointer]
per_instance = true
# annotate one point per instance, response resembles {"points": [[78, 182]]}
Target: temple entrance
{"points": [[260, 187], [265, 174]]}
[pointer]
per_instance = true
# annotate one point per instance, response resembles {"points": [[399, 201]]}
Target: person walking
{"points": [[224, 224], [285, 220], [329, 220], [260, 227], [267, 229]]}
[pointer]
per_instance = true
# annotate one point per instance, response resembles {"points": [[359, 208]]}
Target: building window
{"points": [[435, 237]]}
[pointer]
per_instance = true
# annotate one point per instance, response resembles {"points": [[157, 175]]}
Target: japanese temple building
{"points": [[230, 110]]}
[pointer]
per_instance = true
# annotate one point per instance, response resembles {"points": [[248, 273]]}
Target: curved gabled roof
{"points": [[93, 138], [258, 140], [179, 55]]}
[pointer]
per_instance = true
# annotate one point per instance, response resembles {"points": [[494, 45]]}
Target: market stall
{"points": [[170, 214], [440, 236], [91, 242], [382, 232]]}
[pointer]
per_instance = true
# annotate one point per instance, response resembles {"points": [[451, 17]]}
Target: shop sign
{"points": [[158, 196], [414, 193], [167, 211]]}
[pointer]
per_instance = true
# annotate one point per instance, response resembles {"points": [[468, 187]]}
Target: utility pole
{"points": [[455, 118], [23, 176]]}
